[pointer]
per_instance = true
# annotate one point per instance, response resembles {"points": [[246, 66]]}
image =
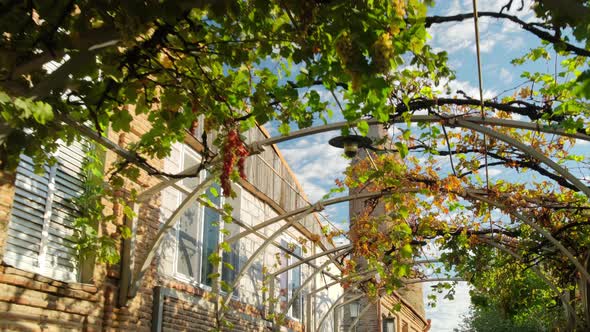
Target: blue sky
{"points": [[317, 164]]}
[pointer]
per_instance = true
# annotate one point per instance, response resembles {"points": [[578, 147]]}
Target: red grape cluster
{"points": [[195, 122], [233, 150]]}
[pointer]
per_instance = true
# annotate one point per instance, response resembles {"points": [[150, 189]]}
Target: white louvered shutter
{"points": [[40, 229]]}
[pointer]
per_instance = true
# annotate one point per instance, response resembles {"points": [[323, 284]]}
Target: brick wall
{"points": [[137, 314], [6, 197], [181, 311], [407, 314], [31, 302], [414, 296], [34, 303]]}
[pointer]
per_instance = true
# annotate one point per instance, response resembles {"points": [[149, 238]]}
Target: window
{"points": [[196, 235], [210, 224], [40, 230], [290, 281], [296, 309], [389, 324], [232, 258]]}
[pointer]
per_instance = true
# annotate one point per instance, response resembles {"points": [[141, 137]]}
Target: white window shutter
{"points": [[23, 244], [61, 260], [40, 230]]}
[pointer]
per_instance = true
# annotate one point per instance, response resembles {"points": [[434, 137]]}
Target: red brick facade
{"points": [[31, 302]]}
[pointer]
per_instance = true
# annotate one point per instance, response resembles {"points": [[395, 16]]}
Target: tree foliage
{"points": [[231, 65]]}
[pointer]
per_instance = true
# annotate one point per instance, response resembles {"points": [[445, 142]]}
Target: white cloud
{"points": [[486, 45], [469, 89], [448, 314], [457, 36], [466, 6], [505, 76], [315, 163], [452, 37], [492, 172]]}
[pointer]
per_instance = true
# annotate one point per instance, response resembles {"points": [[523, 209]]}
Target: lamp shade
{"points": [[354, 309], [350, 143]]}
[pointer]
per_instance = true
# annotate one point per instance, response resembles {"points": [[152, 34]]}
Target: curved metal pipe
{"points": [[334, 305], [425, 119], [527, 220], [537, 271], [146, 262], [318, 206], [310, 258], [307, 281], [526, 149], [361, 314], [251, 260]]}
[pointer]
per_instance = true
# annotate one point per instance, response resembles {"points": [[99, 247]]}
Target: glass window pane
{"points": [[389, 325], [189, 160], [284, 277], [216, 200], [187, 242], [233, 258], [210, 241], [296, 283]]}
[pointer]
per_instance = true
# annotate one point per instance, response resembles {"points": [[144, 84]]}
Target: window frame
{"points": [[389, 319], [288, 242], [197, 279]]}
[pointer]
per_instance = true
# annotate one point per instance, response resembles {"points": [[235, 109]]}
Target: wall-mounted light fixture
{"points": [[354, 307], [350, 144], [389, 324]]}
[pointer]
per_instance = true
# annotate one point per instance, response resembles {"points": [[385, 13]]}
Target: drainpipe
{"points": [[127, 250], [379, 317], [126, 247]]}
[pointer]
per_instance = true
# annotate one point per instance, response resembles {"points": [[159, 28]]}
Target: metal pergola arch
{"points": [[489, 201], [535, 269], [344, 251], [335, 305], [361, 314], [295, 215], [474, 123]]}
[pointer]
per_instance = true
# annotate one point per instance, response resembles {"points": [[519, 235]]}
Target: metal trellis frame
{"points": [[335, 305], [473, 123], [361, 314]]}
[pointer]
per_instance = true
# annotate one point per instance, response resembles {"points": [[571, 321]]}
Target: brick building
{"points": [[380, 315], [44, 286]]}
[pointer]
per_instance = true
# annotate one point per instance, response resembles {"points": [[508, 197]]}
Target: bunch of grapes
{"points": [[383, 52], [400, 7], [233, 150], [345, 49], [195, 122], [351, 58]]}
